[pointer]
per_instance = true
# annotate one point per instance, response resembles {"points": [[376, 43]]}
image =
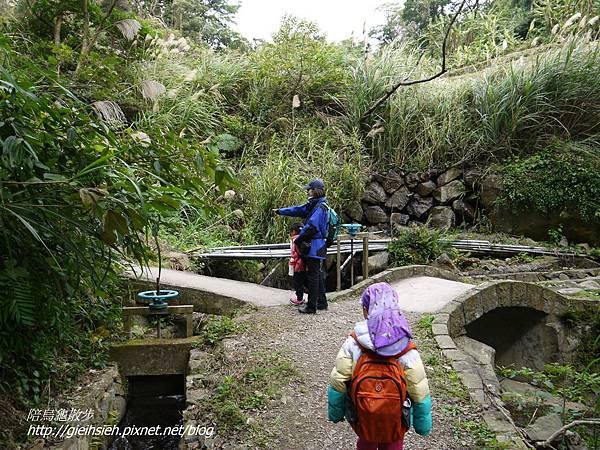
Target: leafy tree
{"points": [[394, 26], [299, 62], [78, 195], [422, 12], [207, 21]]}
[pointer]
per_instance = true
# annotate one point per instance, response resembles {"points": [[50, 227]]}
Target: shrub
{"points": [[420, 245], [564, 180]]}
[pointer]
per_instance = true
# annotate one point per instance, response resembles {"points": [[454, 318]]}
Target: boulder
{"points": [[378, 262], [533, 395], [419, 206], [442, 217], [399, 219], [399, 199], [491, 188], [374, 193], [178, 261], [590, 284], [412, 179], [449, 192], [463, 210], [379, 177], [392, 182], [544, 427], [574, 441], [425, 189], [354, 211], [444, 262], [428, 175], [375, 214], [449, 175], [472, 178]]}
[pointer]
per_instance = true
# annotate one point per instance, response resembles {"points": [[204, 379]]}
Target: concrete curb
{"points": [[397, 274]]}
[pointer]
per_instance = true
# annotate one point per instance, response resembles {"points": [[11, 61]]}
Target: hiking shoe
{"points": [[306, 310], [322, 307], [294, 301]]}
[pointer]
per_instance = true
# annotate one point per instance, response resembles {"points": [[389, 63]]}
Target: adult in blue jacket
{"points": [[311, 242]]}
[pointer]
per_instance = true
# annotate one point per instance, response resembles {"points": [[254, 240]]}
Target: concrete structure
{"points": [[208, 294], [143, 357]]}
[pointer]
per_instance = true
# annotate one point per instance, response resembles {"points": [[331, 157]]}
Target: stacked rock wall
{"points": [[444, 199]]}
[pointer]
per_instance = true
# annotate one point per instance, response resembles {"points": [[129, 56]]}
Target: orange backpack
{"points": [[377, 392]]}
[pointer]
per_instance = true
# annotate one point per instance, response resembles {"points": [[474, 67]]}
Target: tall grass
{"points": [[516, 109], [276, 178]]}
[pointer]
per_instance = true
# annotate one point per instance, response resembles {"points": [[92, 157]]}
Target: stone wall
{"points": [[445, 199], [105, 396], [453, 197]]}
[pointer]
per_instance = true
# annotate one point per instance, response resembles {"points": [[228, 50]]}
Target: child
{"points": [[378, 416], [297, 267]]}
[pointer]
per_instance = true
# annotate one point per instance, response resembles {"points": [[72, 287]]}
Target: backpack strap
{"points": [[313, 209], [411, 346]]}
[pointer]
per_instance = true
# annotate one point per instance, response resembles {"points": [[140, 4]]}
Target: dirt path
{"points": [[299, 419]]}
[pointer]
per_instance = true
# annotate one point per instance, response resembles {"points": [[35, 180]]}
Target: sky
{"points": [[259, 19]]}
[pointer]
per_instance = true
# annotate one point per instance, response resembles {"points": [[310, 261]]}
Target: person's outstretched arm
{"points": [[294, 211]]}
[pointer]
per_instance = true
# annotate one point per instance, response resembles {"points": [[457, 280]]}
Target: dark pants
{"points": [[315, 279], [299, 282]]}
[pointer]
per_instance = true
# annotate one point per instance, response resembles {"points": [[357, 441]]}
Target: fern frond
{"points": [[18, 305]]}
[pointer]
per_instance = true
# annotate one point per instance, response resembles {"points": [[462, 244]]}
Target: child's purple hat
{"points": [[386, 323]]}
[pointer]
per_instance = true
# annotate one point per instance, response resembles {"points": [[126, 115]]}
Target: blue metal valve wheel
{"points": [[352, 228], [158, 300]]}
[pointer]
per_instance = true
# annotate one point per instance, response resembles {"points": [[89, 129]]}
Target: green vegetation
{"points": [[564, 180], [564, 382], [592, 295], [218, 328], [483, 437], [251, 389], [79, 191], [588, 350], [420, 245], [561, 380]]}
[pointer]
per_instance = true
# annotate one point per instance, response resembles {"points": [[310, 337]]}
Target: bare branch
{"points": [[548, 442], [496, 404], [442, 71]]}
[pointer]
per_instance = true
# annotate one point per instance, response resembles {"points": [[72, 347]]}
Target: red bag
{"points": [[377, 392]]}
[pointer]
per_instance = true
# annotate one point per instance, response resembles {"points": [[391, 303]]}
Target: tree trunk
{"points": [[57, 26], [86, 35], [88, 42]]}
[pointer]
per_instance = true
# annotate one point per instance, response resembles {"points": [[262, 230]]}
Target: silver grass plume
{"points": [[152, 89], [129, 28], [109, 111]]}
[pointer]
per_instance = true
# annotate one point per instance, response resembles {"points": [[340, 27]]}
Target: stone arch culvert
{"points": [[504, 323]]}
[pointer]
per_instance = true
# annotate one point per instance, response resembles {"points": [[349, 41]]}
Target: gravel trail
{"points": [[299, 419]]}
